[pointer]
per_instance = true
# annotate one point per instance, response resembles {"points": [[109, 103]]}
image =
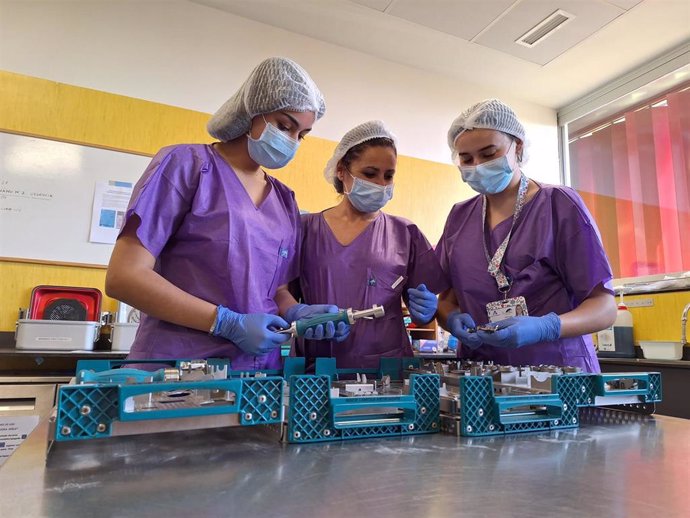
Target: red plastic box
{"points": [[43, 296]]}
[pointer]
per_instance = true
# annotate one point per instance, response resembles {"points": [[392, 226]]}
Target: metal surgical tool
{"points": [[349, 316]]}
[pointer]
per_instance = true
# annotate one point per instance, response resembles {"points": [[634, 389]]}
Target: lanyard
{"points": [[502, 280]]}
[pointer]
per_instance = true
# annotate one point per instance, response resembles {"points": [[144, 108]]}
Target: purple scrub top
{"points": [[360, 275], [210, 240], [555, 258]]}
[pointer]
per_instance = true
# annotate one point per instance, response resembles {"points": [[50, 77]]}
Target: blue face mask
{"points": [[368, 196], [273, 149], [490, 177]]}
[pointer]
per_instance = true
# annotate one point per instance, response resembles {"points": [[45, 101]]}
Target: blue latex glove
{"points": [[320, 332], [521, 331], [459, 324], [254, 333], [338, 333], [422, 304]]}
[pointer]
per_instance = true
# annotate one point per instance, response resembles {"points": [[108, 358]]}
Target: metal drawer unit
{"points": [[24, 400]]}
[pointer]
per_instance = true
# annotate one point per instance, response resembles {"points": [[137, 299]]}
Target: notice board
{"points": [[47, 195]]}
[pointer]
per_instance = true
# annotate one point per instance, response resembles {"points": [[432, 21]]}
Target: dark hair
{"points": [[517, 141], [354, 153]]}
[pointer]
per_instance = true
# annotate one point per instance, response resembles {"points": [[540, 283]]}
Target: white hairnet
{"points": [[489, 114], [275, 84], [365, 131]]}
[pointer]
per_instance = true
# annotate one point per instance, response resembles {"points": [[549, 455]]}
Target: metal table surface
{"points": [[615, 465]]}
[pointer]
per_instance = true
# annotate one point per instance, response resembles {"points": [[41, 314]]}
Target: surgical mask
{"points": [[368, 196], [490, 177], [273, 149]]}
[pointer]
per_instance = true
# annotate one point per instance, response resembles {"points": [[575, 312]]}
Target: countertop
{"points": [[642, 362], [623, 361], [29, 363], [615, 465], [11, 351]]}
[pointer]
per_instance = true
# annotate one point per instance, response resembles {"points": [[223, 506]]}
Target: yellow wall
{"points": [[47, 109], [53, 110], [662, 320]]}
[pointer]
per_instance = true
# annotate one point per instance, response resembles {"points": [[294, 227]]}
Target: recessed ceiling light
{"points": [[545, 28]]}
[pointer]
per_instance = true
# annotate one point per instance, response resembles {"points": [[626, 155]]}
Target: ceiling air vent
{"points": [[545, 28]]}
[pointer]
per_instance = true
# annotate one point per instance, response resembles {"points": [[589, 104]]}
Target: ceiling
{"points": [[475, 40]]}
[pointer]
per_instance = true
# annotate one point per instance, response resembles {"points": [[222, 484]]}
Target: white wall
{"points": [[195, 57]]}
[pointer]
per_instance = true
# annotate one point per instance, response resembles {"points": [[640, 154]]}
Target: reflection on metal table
{"points": [[615, 465]]}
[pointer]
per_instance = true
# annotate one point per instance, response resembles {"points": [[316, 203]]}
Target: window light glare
{"points": [[618, 121], [660, 104]]}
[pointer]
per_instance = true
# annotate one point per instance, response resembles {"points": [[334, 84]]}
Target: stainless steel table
{"points": [[615, 465]]}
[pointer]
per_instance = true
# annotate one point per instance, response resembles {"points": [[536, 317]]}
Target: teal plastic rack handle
{"points": [[306, 323], [553, 408], [641, 390], [406, 403], [104, 365], [120, 376]]}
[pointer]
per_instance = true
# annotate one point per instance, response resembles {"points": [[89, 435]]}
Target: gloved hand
{"points": [[253, 332], [458, 324], [320, 332], [517, 332], [423, 304]]}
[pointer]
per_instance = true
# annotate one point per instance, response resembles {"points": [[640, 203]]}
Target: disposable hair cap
{"points": [[275, 84], [489, 114], [365, 131]]}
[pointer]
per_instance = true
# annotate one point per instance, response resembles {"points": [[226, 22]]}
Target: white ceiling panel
{"points": [[624, 4], [590, 16], [630, 40], [462, 19], [379, 5]]}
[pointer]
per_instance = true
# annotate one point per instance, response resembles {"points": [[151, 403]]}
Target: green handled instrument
{"points": [[349, 316]]}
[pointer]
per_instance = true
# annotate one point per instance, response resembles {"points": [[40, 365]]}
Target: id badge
{"points": [[502, 309]]}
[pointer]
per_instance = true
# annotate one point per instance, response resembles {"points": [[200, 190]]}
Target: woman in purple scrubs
{"points": [[211, 241], [355, 256], [524, 255]]}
